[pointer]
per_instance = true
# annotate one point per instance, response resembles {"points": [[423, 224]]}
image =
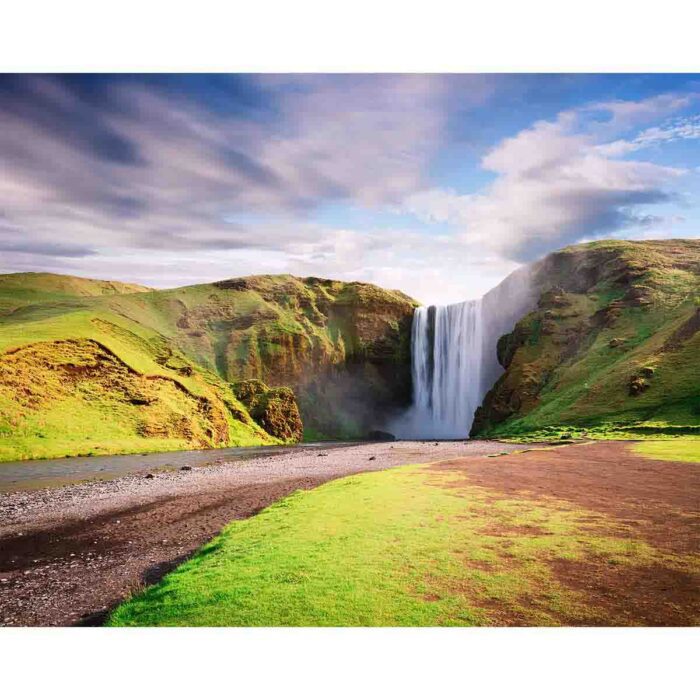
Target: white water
{"points": [[446, 344], [454, 360]]}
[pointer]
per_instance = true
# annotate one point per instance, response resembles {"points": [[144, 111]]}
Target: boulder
{"points": [[274, 410]]}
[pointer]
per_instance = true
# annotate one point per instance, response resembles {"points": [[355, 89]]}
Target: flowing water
{"points": [[447, 357], [41, 473], [454, 358]]}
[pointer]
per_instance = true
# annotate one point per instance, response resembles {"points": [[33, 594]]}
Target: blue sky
{"points": [[438, 185]]}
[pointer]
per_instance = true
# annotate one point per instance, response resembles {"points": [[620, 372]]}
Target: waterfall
{"points": [[454, 358], [446, 346]]}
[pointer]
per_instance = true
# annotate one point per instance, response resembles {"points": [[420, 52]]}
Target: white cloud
{"points": [[555, 184]]}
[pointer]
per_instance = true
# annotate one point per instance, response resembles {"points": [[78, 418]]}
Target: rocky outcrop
{"points": [[67, 397], [274, 410]]}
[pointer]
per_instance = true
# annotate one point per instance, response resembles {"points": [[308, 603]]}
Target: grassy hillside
{"points": [[22, 288], [612, 346], [102, 367]]}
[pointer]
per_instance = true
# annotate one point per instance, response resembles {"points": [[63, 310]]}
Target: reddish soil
{"points": [[645, 499]]}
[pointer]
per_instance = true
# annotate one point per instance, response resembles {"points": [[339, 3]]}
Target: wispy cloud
{"points": [[687, 128], [142, 178]]}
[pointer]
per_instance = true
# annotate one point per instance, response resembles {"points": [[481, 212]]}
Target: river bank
{"points": [[69, 554]]}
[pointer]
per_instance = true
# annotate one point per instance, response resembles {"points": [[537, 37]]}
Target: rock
{"points": [[381, 435], [322, 454], [186, 468], [275, 410], [637, 385], [372, 458], [150, 476]]}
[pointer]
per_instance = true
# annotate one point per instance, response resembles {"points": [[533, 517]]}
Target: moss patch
{"points": [[674, 450], [275, 410]]}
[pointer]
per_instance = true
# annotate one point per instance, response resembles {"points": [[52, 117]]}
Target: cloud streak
{"points": [[169, 180], [158, 167]]}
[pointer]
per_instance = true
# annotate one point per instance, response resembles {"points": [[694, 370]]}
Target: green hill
{"points": [[101, 367], [612, 346], [22, 288]]}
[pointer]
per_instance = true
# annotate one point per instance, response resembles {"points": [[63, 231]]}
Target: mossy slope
{"points": [[335, 344], [613, 344]]}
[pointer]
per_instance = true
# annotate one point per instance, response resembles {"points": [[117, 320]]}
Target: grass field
{"points": [[406, 547], [675, 450]]}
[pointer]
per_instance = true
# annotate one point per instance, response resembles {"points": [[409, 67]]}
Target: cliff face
{"points": [[344, 348], [612, 343], [334, 355]]}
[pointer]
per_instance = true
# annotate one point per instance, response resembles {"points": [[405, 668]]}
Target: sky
{"points": [[437, 185]]}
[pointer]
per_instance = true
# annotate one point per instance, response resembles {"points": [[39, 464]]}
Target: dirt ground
{"points": [[650, 500], [69, 554]]}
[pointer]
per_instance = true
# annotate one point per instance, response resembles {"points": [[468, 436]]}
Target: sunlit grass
{"points": [[404, 547], [676, 450]]}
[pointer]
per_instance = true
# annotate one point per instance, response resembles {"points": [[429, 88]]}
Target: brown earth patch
{"points": [[643, 499], [655, 596], [655, 498]]}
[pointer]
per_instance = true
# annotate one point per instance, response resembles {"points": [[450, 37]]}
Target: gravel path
{"points": [[69, 554]]}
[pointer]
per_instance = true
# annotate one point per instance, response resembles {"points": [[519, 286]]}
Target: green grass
{"points": [[406, 547], [674, 450], [44, 412]]}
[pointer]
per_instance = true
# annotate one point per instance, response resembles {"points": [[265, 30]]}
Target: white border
{"points": [[364, 35], [349, 663]]}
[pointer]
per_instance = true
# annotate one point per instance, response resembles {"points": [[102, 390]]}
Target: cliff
{"points": [[93, 367], [611, 344]]}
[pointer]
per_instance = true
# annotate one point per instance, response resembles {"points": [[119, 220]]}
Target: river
{"points": [[42, 473]]}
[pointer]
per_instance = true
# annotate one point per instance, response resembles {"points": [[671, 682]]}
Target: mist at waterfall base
{"points": [[454, 358]]}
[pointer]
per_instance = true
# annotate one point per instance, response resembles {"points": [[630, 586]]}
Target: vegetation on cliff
{"points": [[611, 348], [274, 410], [91, 367]]}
